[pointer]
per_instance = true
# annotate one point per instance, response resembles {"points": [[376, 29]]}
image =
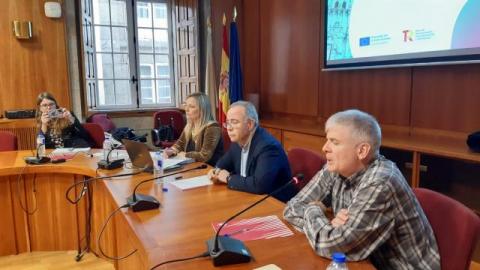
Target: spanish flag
{"points": [[223, 93]]}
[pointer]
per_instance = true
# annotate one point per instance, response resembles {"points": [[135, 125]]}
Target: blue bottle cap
{"points": [[339, 257]]}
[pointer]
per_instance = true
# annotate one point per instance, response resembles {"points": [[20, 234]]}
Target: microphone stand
{"points": [[107, 165], [37, 159], [142, 202], [226, 250]]}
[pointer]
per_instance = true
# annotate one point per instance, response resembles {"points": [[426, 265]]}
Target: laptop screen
{"points": [[139, 154]]}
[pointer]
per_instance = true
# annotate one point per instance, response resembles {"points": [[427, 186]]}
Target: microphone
{"points": [[141, 202], [107, 165], [36, 160], [225, 250]]}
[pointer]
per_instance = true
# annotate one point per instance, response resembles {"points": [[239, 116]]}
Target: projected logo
{"points": [[408, 35], [364, 41]]}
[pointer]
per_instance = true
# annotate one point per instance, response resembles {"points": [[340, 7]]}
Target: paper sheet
{"points": [[254, 228], [194, 182]]}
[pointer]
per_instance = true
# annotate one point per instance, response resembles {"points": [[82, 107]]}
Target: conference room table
{"points": [[37, 217]]}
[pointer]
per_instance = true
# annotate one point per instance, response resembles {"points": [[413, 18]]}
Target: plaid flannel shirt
{"points": [[385, 221]]}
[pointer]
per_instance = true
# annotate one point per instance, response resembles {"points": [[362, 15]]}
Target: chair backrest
{"points": [[165, 117], [103, 120], [96, 133], [455, 226], [306, 162], [8, 141]]}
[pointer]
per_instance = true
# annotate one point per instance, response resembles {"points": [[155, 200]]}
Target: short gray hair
{"points": [[364, 127], [249, 109]]}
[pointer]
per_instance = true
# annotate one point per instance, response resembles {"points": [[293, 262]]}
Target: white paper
{"points": [[169, 162], [60, 151], [194, 182]]}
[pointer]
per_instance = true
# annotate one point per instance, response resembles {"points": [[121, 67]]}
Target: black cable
{"points": [[84, 182], [205, 254], [25, 207], [88, 226], [101, 233]]}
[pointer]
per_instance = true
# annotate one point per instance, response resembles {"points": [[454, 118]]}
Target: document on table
{"points": [[254, 228], [67, 153], [169, 162], [194, 182]]}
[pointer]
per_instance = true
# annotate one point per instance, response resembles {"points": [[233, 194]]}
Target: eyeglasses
{"points": [[46, 105], [232, 123]]}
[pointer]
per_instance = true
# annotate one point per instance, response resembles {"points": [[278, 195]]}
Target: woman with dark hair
{"points": [[59, 126], [201, 139]]}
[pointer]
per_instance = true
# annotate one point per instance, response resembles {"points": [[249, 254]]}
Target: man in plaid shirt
{"points": [[376, 214]]}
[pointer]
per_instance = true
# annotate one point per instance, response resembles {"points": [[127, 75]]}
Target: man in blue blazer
{"points": [[256, 161]]}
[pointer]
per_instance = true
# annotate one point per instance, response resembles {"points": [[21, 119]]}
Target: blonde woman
{"points": [[59, 126], [201, 139]]}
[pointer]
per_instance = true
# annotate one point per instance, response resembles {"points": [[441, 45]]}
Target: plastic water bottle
{"points": [[40, 145], [107, 145], [158, 165], [338, 262]]}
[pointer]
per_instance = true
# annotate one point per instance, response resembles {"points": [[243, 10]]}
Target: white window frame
{"points": [[134, 62]]}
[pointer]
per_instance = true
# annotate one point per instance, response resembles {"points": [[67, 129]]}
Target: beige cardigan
{"points": [[205, 142]]}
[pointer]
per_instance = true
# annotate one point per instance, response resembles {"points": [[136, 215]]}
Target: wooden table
{"points": [[178, 229]]}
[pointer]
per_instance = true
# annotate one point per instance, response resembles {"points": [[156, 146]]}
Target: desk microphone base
{"points": [[230, 251], [143, 202], [36, 160], [103, 164]]}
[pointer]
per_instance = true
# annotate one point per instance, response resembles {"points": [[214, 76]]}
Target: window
{"points": [[129, 60]]}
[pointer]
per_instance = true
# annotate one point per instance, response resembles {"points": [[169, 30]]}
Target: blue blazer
{"points": [[267, 167]]}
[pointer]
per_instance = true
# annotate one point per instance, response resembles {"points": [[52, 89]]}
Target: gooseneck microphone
{"points": [[107, 165], [37, 159], [141, 202], [225, 250]]}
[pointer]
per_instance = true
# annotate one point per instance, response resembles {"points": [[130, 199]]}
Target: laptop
{"points": [[139, 154]]}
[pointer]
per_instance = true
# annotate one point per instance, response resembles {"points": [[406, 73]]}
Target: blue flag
{"points": [[235, 70]]}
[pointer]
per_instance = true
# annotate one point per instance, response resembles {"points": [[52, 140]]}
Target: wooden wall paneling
{"points": [[8, 227], [311, 142], [187, 49], [35, 65], [384, 93], [250, 39], [53, 226], [218, 7], [24, 129], [447, 98], [289, 56], [277, 133]]}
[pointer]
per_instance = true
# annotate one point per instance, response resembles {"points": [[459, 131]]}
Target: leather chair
{"points": [[456, 228], [103, 120], [171, 116], [8, 141], [96, 133], [306, 162]]}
